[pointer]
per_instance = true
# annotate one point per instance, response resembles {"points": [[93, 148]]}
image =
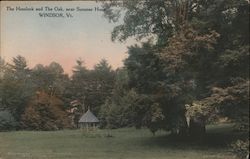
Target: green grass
{"points": [[125, 144]]}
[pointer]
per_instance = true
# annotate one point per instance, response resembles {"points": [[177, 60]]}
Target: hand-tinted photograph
{"points": [[126, 79]]}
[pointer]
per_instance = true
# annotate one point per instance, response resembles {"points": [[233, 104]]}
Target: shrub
{"points": [[7, 121], [241, 148]]}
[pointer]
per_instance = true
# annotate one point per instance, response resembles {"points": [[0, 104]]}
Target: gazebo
{"points": [[88, 120]]}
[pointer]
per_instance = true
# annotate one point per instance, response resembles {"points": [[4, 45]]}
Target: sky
{"points": [[87, 35]]}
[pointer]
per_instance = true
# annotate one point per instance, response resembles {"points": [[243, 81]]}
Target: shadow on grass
{"points": [[216, 138]]}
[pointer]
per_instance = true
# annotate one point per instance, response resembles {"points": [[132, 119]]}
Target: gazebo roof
{"points": [[88, 117]]}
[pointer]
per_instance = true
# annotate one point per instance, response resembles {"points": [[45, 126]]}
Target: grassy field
{"points": [[125, 144]]}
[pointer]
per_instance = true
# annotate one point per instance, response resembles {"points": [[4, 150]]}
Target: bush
{"points": [[241, 148], [7, 121]]}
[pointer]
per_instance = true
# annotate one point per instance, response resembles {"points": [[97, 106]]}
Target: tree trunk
{"points": [[183, 129], [197, 127]]}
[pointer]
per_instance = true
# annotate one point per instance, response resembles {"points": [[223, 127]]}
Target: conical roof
{"points": [[88, 117]]}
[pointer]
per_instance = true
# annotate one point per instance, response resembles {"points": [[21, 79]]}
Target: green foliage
{"points": [[16, 87], [158, 86], [118, 113], [101, 85], [79, 83], [144, 68], [201, 57], [142, 19], [7, 121], [19, 84], [157, 118], [128, 108], [241, 148], [232, 102], [91, 87], [50, 77]]}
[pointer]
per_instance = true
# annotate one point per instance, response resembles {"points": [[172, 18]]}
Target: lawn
{"points": [[125, 144]]}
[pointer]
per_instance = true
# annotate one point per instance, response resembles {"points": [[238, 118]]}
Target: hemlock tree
{"points": [[100, 85], [79, 82]]}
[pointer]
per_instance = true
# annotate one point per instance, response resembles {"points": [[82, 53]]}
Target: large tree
{"points": [[101, 85], [202, 44], [163, 90], [224, 82]]}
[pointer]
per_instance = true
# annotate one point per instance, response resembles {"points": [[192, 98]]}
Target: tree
{"points": [[165, 89], [45, 112], [91, 87], [51, 79], [146, 19], [101, 84], [79, 81], [163, 93], [202, 50], [3, 67], [78, 87], [184, 59], [48, 77], [212, 38], [16, 87], [118, 109]]}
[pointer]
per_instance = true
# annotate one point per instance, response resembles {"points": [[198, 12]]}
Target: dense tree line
{"points": [[40, 98]]}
